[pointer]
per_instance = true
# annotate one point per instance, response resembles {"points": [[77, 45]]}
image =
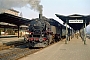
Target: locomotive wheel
{"points": [[46, 43], [29, 44], [25, 40]]}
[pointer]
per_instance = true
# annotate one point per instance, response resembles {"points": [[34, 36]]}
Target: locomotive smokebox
{"points": [[40, 15]]}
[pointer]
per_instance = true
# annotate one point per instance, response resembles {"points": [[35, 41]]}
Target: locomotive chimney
{"points": [[40, 15]]}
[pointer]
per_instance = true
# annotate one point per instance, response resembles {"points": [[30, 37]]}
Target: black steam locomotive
{"points": [[42, 32]]}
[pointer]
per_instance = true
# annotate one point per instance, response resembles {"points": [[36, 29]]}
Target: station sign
{"points": [[76, 21]]}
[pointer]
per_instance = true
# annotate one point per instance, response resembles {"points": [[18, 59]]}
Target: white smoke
{"points": [[8, 4]]}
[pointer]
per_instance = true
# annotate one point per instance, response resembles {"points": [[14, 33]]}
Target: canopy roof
{"points": [[54, 22], [75, 26], [12, 19]]}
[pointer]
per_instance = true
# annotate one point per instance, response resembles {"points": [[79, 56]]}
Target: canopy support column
{"points": [[85, 32], [72, 34], [66, 34], [82, 34], [18, 31], [69, 33]]}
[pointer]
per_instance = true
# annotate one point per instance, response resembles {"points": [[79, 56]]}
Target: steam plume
{"points": [[7, 4]]}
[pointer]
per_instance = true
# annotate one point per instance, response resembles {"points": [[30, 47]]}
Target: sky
{"points": [[62, 7]]}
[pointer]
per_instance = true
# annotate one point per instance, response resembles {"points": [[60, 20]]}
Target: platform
{"points": [[10, 39], [7, 36], [74, 50]]}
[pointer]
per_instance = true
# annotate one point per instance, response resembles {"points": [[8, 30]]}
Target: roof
{"points": [[14, 10], [54, 22], [75, 26], [12, 19], [7, 26]]}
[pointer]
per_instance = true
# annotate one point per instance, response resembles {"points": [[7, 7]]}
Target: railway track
{"points": [[16, 50], [3, 47], [11, 44], [16, 53]]}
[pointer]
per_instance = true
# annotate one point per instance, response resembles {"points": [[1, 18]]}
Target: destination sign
{"points": [[75, 21]]}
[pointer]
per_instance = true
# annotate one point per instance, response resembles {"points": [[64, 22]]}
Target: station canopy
{"points": [[75, 17], [12, 19]]}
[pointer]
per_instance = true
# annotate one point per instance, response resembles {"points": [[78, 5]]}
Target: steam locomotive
{"points": [[43, 32]]}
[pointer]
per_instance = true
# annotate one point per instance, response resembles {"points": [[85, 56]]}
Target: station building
{"points": [[11, 29]]}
